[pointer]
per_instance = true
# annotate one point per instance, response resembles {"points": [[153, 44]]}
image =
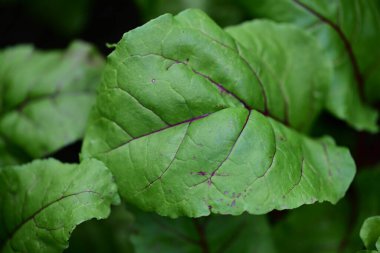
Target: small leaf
{"points": [[370, 232], [42, 202], [182, 122], [42, 92]]}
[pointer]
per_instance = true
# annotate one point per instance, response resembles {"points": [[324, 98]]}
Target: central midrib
{"points": [[212, 81]]}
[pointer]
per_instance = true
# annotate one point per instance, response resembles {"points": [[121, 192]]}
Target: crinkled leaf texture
{"points": [[42, 202], [349, 32], [213, 234], [42, 92], [370, 233], [188, 127]]}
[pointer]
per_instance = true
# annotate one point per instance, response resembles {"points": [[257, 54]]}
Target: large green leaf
{"points": [[182, 121], [370, 233], [45, 97], [349, 32], [42, 202], [215, 234]]}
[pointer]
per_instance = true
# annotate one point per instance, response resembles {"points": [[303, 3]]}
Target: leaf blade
{"points": [[42, 202], [44, 91], [179, 156]]}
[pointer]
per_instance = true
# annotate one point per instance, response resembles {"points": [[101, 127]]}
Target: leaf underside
{"points": [[185, 121]]}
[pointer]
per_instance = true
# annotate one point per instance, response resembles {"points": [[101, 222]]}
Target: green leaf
{"points": [[42, 92], [42, 202], [370, 233], [214, 234], [284, 79], [349, 32], [110, 235], [182, 123]]}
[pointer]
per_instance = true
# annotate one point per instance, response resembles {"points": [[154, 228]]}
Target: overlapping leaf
{"points": [[185, 122], [42, 202], [349, 32], [45, 98]]}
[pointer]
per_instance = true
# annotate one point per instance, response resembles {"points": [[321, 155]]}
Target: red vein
{"points": [[159, 130], [232, 148], [354, 63], [31, 217], [203, 244], [171, 162]]}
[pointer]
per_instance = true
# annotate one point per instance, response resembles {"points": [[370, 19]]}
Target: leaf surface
{"points": [[370, 233], [349, 32], [182, 122], [43, 201], [46, 97]]}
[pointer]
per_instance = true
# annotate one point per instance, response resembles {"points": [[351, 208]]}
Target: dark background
{"points": [[54, 24]]}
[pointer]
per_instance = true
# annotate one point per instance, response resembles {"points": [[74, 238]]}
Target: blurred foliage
{"points": [[327, 228], [214, 234], [104, 236], [42, 92], [224, 12]]}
